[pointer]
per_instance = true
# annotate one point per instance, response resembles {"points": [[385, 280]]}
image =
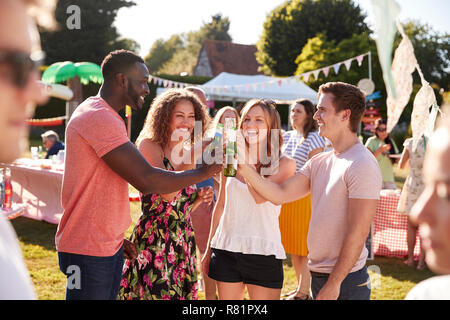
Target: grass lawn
{"points": [[38, 247]]}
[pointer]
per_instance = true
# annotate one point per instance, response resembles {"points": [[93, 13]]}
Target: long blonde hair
{"points": [[220, 113], [274, 126]]}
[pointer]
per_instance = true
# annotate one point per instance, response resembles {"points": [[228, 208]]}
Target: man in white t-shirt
{"points": [[19, 92], [345, 184]]}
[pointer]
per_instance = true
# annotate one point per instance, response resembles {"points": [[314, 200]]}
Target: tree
{"points": [[217, 29], [319, 52], [288, 27], [96, 35], [180, 52], [162, 51]]}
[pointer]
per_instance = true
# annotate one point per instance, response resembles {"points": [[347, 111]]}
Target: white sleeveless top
{"points": [[247, 227]]}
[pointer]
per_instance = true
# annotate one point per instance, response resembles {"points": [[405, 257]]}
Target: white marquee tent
{"points": [[235, 87], [241, 88]]}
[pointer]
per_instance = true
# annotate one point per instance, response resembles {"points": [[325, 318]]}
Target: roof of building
{"points": [[225, 56]]}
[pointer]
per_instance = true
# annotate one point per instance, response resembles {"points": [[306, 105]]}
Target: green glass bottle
{"points": [[217, 140], [230, 167]]}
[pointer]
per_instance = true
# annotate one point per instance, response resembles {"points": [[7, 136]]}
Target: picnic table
{"points": [[37, 188], [389, 237]]}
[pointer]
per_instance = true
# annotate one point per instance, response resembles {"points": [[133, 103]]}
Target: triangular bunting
{"points": [[316, 74], [336, 67], [306, 76], [360, 60], [348, 63]]}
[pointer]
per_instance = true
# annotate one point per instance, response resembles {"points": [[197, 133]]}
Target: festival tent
{"points": [[241, 88], [235, 87]]}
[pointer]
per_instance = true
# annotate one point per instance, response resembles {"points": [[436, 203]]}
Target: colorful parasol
{"points": [[63, 71]]}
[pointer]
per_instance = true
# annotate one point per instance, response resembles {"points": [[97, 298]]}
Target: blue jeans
{"points": [[92, 278], [356, 286]]}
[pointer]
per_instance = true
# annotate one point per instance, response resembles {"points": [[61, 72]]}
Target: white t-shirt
{"points": [[334, 179], [436, 288], [247, 227], [15, 282]]}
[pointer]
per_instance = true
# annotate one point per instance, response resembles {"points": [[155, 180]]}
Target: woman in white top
{"points": [[244, 246]]}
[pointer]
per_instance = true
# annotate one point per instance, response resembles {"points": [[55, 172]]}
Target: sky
{"points": [[150, 20]]}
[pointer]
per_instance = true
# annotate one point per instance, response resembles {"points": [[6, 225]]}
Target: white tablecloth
{"points": [[38, 189]]}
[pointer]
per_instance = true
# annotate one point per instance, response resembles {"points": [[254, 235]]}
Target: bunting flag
{"points": [[424, 99], [360, 60], [316, 74], [348, 63], [305, 76], [336, 68], [385, 14], [403, 66]]}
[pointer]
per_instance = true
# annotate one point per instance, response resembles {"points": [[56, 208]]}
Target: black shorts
{"points": [[260, 270]]}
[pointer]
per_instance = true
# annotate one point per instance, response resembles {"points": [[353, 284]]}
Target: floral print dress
{"points": [[165, 268]]}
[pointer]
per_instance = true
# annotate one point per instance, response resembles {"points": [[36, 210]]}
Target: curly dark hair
{"points": [[157, 123]]}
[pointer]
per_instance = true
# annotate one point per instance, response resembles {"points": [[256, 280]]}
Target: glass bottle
{"points": [[2, 189], [230, 167], [8, 189]]}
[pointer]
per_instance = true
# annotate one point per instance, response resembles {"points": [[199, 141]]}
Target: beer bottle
{"points": [[2, 189], [217, 140], [230, 167], [8, 189]]}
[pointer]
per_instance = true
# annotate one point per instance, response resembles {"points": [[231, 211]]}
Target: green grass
{"points": [[37, 241]]}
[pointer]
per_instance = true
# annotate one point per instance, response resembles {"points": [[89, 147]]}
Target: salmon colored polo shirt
{"points": [[94, 198]]}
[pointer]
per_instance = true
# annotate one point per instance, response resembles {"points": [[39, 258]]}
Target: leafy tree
{"points": [[96, 37], [162, 51], [288, 27], [217, 29], [319, 52], [428, 49], [180, 52]]}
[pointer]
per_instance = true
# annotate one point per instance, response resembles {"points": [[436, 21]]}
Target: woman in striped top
{"points": [[301, 144]]}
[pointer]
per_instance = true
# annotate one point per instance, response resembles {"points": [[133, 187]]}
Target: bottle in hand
{"points": [[230, 167], [8, 189]]}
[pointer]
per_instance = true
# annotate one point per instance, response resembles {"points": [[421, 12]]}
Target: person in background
{"points": [[100, 162], [381, 145], [431, 213], [412, 188], [201, 217], [20, 59], [301, 144], [345, 187], [166, 267], [244, 245], [50, 140]]}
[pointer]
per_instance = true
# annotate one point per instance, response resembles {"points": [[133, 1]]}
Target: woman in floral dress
{"points": [[166, 264]]}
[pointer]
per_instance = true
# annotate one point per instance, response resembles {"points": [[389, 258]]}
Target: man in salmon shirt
{"points": [[100, 163], [345, 186]]}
